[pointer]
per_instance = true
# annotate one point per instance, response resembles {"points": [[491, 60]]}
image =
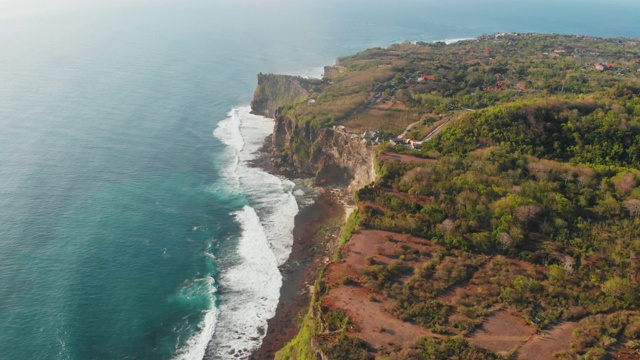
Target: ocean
{"points": [[131, 224]]}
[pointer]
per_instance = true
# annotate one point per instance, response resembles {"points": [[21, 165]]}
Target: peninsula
{"points": [[494, 185]]}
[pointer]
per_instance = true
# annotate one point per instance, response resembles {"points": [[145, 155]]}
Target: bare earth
{"points": [[404, 158], [502, 332], [366, 311], [542, 346]]}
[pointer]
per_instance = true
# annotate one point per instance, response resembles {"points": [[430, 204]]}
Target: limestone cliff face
{"points": [[274, 91], [334, 157]]}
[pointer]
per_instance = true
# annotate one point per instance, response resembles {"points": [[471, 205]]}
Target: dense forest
{"points": [[524, 208]]}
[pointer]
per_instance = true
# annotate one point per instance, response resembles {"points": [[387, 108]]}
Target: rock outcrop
{"points": [[274, 91], [335, 158]]}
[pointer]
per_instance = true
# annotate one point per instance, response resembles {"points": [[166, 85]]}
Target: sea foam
{"points": [[250, 288], [196, 346]]}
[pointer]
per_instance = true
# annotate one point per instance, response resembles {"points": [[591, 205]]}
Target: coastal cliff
{"points": [[333, 158], [274, 91], [339, 165]]}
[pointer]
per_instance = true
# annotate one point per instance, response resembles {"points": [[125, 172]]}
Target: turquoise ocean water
{"points": [[131, 226]]}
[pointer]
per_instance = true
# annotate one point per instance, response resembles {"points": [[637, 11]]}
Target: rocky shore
{"points": [[341, 166]]}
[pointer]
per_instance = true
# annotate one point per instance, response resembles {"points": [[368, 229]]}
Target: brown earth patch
{"points": [[404, 158], [367, 314], [367, 310], [627, 354], [399, 105], [501, 332], [390, 104], [542, 346]]}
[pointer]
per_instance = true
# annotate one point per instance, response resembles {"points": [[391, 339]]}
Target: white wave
{"points": [[313, 73], [447, 41], [270, 195], [451, 41], [196, 346], [251, 287]]}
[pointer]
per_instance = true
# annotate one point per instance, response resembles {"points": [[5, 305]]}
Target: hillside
{"points": [[510, 232]]}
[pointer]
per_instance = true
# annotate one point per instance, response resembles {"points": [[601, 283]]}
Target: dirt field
{"points": [[403, 158], [542, 346], [502, 332], [366, 310]]}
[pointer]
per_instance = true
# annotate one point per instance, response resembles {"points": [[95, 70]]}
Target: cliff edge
{"points": [[298, 149], [274, 91]]}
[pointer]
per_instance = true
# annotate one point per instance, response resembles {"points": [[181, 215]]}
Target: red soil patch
{"points": [[365, 309], [383, 106], [404, 158], [397, 105], [376, 112], [627, 354], [376, 326], [542, 346], [501, 332], [400, 106]]}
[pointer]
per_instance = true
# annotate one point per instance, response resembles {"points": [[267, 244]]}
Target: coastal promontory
{"points": [[495, 186]]}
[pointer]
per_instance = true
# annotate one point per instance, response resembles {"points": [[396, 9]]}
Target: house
{"points": [[370, 135]]}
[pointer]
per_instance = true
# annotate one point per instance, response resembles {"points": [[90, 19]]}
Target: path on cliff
{"points": [[436, 131], [402, 134], [429, 136]]}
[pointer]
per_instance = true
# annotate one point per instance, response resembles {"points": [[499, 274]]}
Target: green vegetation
{"points": [[386, 89], [436, 349], [299, 348], [597, 335], [530, 197], [353, 224], [276, 91], [576, 224], [603, 132]]}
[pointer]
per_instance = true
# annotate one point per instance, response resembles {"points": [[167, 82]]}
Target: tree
{"points": [[633, 205], [569, 264], [625, 183], [525, 213], [506, 241], [621, 289]]}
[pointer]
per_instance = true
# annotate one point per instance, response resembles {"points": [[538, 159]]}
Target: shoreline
{"points": [[315, 238]]}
